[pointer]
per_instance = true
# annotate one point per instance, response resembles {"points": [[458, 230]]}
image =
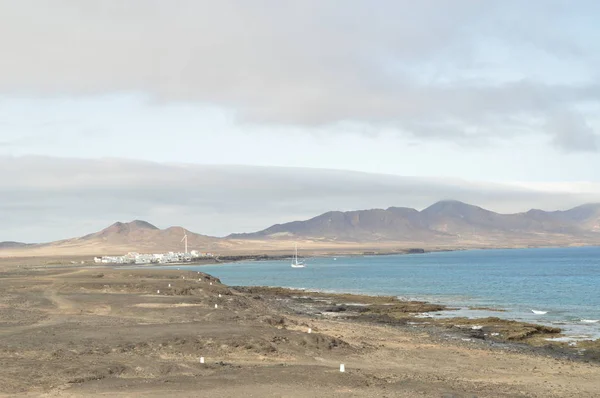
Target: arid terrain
{"points": [[122, 332]]}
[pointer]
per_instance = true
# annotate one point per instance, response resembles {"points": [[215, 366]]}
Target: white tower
{"points": [[185, 240]]}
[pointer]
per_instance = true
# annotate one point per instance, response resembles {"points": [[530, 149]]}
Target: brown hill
{"points": [[135, 231], [120, 238]]}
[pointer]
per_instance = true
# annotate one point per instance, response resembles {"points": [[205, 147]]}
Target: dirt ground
{"points": [[103, 332]]}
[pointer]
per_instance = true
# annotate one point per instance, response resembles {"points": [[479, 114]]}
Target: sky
{"points": [[218, 116]]}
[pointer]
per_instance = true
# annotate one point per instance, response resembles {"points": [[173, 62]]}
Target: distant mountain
{"points": [[587, 216], [12, 245], [352, 225], [134, 230], [137, 235], [446, 220], [445, 224]]}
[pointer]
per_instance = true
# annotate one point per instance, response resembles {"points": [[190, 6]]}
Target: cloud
{"points": [[571, 132], [48, 198], [463, 70]]}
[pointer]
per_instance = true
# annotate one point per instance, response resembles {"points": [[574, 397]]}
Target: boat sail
{"points": [[296, 263]]}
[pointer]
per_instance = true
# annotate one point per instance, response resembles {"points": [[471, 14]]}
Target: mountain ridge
{"points": [[136, 235], [446, 223], [12, 244], [443, 219]]}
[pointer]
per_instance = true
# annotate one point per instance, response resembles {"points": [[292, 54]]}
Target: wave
{"points": [[537, 312], [590, 320], [424, 315]]}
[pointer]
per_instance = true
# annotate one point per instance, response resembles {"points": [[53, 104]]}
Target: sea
{"points": [[561, 284]]}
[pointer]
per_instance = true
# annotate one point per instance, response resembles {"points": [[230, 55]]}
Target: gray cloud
{"points": [[572, 133], [47, 198], [424, 67]]}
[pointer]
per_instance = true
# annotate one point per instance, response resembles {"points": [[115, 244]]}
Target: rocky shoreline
{"points": [[79, 331], [492, 332]]}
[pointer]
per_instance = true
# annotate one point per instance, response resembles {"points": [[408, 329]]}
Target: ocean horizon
{"points": [[551, 286]]}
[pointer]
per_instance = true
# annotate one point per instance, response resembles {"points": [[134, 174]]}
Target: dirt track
{"points": [[83, 332]]}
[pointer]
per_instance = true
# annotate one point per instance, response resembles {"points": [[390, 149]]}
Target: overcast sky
{"points": [[486, 101]]}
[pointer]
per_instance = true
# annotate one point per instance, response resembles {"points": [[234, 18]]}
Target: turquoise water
{"points": [[565, 282]]}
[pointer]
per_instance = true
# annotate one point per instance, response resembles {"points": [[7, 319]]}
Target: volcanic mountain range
{"points": [[445, 219], [445, 224]]}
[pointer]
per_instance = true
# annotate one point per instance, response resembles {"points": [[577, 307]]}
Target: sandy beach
{"points": [[117, 332]]}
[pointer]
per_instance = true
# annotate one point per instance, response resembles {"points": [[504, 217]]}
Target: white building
{"points": [[157, 258]]}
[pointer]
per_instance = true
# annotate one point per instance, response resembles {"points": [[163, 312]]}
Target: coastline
{"points": [[579, 323], [236, 258], [77, 331], [9, 257], [413, 314], [489, 330], [563, 341]]}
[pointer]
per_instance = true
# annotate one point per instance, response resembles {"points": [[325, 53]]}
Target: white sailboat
{"points": [[295, 263]]}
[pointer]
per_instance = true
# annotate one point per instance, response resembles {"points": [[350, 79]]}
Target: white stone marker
{"points": [[216, 306], [211, 283], [158, 292], [169, 285], [201, 359], [309, 330], [219, 294], [342, 368]]}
